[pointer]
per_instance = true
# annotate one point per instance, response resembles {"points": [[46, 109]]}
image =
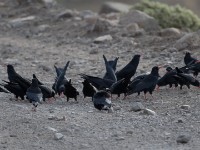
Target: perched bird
{"points": [[46, 92], [185, 79], [40, 83], [120, 87], [102, 100], [168, 78], [134, 82], [34, 94], [188, 59], [88, 89], [61, 81], [14, 77], [148, 84], [58, 70], [14, 88], [97, 82], [129, 70], [70, 91], [110, 73], [113, 64]]}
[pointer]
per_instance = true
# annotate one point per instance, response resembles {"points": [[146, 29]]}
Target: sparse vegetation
{"points": [[170, 16]]}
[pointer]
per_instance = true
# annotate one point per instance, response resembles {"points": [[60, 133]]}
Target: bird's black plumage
{"points": [[129, 70], [110, 73], [168, 78], [70, 91], [97, 82], [113, 64], [148, 84], [14, 88], [188, 59], [120, 87], [46, 92], [61, 80], [185, 79], [102, 100], [88, 89], [14, 77], [34, 93], [39, 82]]}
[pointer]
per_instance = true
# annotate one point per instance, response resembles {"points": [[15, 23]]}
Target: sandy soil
{"points": [[32, 51]]}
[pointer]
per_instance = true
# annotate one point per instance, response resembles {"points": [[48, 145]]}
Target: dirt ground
{"points": [[31, 50]]}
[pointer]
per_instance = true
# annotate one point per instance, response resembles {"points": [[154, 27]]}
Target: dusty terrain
{"points": [[34, 50]]}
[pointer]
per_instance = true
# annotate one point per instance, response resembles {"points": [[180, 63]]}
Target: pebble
{"points": [[183, 139], [137, 106], [147, 111], [186, 107], [111, 110], [58, 136], [103, 39]]}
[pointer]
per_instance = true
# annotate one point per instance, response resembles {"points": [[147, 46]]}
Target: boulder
{"points": [[189, 40], [142, 19]]}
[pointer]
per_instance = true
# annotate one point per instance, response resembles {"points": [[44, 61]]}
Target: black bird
{"points": [[148, 84], [14, 77], [188, 59], [34, 94], [102, 100], [168, 78], [97, 82], [60, 82], [58, 70], [195, 68], [129, 70], [113, 64], [185, 79], [134, 82], [40, 83], [88, 89], [120, 87], [110, 73], [70, 91], [14, 88], [46, 92]]}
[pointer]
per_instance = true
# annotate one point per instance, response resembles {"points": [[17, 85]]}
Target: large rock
{"points": [[189, 40], [142, 19], [170, 32], [109, 7]]}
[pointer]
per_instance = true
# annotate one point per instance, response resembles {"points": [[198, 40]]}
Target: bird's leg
{"points": [[157, 88], [124, 96], [145, 96]]}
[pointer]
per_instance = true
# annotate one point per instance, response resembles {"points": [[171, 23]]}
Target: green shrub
{"points": [[170, 16]]}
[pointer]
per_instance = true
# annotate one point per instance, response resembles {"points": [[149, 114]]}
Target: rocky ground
{"points": [[34, 38]]}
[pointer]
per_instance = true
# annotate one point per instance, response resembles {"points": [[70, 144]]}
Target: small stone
{"points": [[13, 135], [90, 111], [117, 108], [129, 132], [58, 136], [65, 14], [103, 39], [186, 107], [137, 106], [21, 21], [42, 28], [133, 27], [147, 111], [180, 120], [183, 139], [120, 138]]}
